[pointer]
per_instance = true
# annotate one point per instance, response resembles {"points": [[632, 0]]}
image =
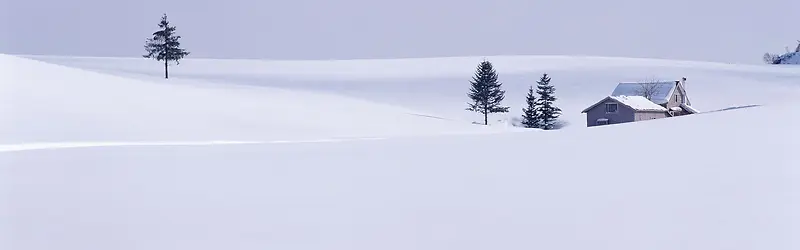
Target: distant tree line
{"points": [[486, 94]]}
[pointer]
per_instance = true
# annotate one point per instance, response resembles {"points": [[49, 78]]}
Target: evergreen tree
{"points": [[164, 45], [529, 115], [486, 92], [547, 112]]}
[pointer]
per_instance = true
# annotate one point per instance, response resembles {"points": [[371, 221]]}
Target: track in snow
{"points": [[67, 145]]}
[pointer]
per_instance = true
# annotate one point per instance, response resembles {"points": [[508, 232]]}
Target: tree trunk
{"points": [[166, 69], [485, 114]]}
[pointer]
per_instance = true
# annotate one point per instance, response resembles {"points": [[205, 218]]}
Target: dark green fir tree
{"points": [[546, 110], [529, 115], [164, 45], [486, 92]]}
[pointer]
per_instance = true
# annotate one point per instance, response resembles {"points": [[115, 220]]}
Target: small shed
{"points": [[622, 109]]}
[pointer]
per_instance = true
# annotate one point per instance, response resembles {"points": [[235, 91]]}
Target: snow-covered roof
{"points": [[638, 103], [662, 91], [689, 109]]}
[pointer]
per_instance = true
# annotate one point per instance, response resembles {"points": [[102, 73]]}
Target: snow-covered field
{"points": [[102, 153]]}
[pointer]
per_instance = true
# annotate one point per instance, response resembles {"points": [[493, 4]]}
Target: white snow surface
{"points": [[51, 103], [102, 153], [639, 103]]}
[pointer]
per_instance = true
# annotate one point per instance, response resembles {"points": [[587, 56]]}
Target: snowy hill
{"points": [[438, 86], [50, 103], [426, 179]]}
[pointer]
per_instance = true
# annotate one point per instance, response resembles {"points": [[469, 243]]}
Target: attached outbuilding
{"points": [[622, 109]]}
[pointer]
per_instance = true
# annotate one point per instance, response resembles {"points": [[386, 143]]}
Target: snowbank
{"points": [[519, 191]]}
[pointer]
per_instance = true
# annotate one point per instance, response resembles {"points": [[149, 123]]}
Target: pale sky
{"points": [[737, 31]]}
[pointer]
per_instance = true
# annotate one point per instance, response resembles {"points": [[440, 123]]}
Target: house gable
{"points": [[595, 105], [681, 87], [678, 97], [616, 112], [675, 97]]}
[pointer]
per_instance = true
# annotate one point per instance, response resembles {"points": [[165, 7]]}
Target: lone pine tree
{"points": [[486, 92], [529, 115], [164, 45], [546, 111]]}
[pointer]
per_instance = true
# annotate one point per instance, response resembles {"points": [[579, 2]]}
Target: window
{"points": [[611, 108], [602, 121]]}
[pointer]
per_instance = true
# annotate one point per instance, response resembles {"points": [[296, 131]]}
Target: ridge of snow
{"points": [[69, 145], [399, 68]]}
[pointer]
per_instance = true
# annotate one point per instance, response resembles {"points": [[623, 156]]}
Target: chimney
{"points": [[683, 82]]}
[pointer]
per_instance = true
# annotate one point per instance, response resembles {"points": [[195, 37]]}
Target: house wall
{"points": [[643, 116], [623, 114], [673, 102]]}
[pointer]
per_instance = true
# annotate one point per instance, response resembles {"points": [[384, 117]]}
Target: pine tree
{"points": [[164, 45], [547, 112], [486, 92], [529, 115]]}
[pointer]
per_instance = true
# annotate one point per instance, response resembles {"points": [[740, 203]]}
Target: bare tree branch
{"points": [[648, 89]]}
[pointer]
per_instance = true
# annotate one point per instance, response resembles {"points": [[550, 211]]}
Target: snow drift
{"points": [[616, 187]]}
